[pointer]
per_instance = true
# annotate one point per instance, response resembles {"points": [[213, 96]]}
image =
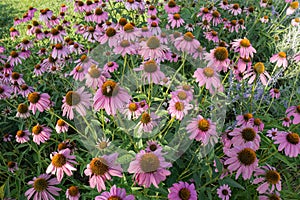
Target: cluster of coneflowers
{"points": [[155, 42]]}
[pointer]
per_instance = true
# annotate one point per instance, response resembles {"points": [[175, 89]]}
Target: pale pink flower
{"points": [[224, 192], [151, 72], [275, 93], [269, 179], [289, 142], [244, 47], [257, 70], [171, 7], [235, 9], [61, 126], [175, 20], [22, 136], [41, 133], [178, 109], [292, 8], [73, 193], [39, 101], [295, 112], [280, 59], [218, 59], [245, 135], [187, 43], [208, 77], [147, 122]]}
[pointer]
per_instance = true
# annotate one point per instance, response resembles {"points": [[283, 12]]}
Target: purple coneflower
{"points": [[73, 193], [244, 47], [295, 112], [15, 58], [115, 194], [124, 47], [12, 166], [235, 9], [61, 162], [171, 7], [101, 169], [22, 111], [178, 109], [152, 146], [175, 20], [212, 35], [7, 137], [95, 77], [61, 126], [292, 8], [290, 142], [187, 43], [43, 188], [269, 179], [41, 133], [257, 124], [149, 168], [270, 196], [208, 77], [153, 49], [182, 191], [272, 133], [258, 70], [224, 192], [151, 71], [39, 102], [286, 122], [60, 51], [22, 136], [280, 59], [275, 93], [111, 66], [78, 73], [244, 135], [218, 58]]}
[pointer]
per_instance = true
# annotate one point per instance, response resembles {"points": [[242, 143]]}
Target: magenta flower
{"points": [[95, 77], [187, 43], [101, 169], [147, 122], [244, 47], [178, 109], [258, 70], [212, 36], [175, 20], [100, 16], [270, 196], [5, 91], [235, 9], [78, 73], [289, 142], [295, 112], [275, 93], [41, 133], [280, 59], [111, 97], [78, 100], [149, 168], [286, 122], [244, 135], [257, 124], [111, 67], [61, 126], [292, 8], [132, 110], [218, 58], [182, 190], [242, 159], [61, 163], [153, 145], [38, 102], [151, 72], [43, 188], [268, 178], [115, 193], [124, 47], [208, 77], [22, 136], [73, 193], [171, 7], [242, 120], [60, 51], [224, 192], [15, 58], [153, 49], [111, 36], [202, 129], [272, 133]]}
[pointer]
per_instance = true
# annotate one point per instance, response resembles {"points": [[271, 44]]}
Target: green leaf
{"points": [[232, 183]]}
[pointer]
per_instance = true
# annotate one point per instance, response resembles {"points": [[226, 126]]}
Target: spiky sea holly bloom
{"points": [[61, 162], [260, 71], [78, 100], [244, 135], [38, 101], [111, 97], [218, 58], [115, 194], [202, 129], [182, 191], [224, 192], [295, 112], [244, 47], [242, 159], [149, 168], [101, 169], [43, 188], [73, 193], [289, 142], [22, 136], [268, 178], [41, 133], [208, 77]]}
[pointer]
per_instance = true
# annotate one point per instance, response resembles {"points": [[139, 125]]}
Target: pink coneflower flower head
{"points": [[224, 5], [91, 34], [61, 163], [295, 112], [151, 72], [275, 93], [280, 59], [270, 196], [224, 192], [272, 133], [264, 19], [292, 8], [15, 58], [101, 169], [111, 66], [125, 47], [171, 7], [152, 146], [153, 49], [258, 70], [290, 142], [111, 36], [39, 102], [187, 43], [202, 129], [212, 36], [13, 33], [132, 110], [7, 137], [45, 15], [216, 18], [208, 77], [43, 188], [79, 73], [182, 191], [73, 193], [103, 143], [95, 77], [100, 16], [22, 136], [25, 90], [147, 122], [12, 166], [244, 135], [131, 5], [218, 58], [235, 9], [242, 159], [115, 194], [22, 111], [244, 47], [175, 20], [263, 3], [295, 21], [111, 97], [182, 95], [130, 33], [149, 168], [5, 91], [269, 179], [257, 124], [56, 36], [85, 61], [244, 64], [61, 126], [178, 109], [25, 44], [286, 122], [152, 10], [78, 100], [60, 51], [41, 133], [242, 120], [205, 13], [189, 27]]}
